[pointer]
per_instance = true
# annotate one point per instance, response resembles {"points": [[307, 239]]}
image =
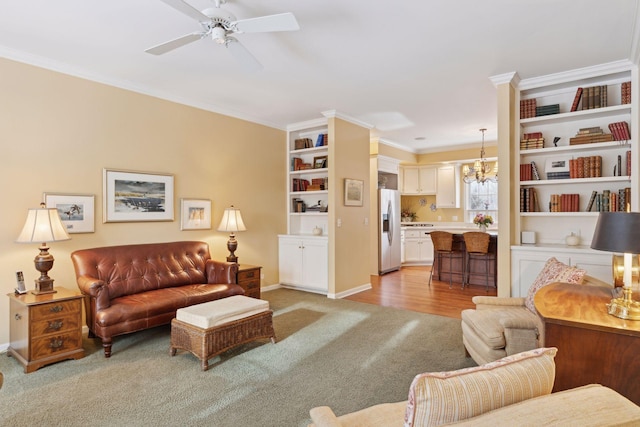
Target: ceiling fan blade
{"points": [[187, 9], [242, 55], [263, 24], [174, 44]]}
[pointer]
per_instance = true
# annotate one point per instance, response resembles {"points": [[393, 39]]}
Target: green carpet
{"points": [[339, 353]]}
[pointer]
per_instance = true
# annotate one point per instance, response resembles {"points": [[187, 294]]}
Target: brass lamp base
{"points": [[624, 307]]}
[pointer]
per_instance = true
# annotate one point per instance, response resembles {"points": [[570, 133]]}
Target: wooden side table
{"points": [[249, 278], [593, 346], [45, 328]]}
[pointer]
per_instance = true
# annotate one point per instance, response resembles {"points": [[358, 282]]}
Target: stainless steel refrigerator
{"points": [[388, 230]]}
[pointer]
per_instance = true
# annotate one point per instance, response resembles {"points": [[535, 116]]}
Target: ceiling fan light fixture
{"points": [[219, 35]]}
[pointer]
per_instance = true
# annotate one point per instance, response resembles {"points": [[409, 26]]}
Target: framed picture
{"points": [[320, 162], [77, 211], [195, 214], [557, 167], [353, 192], [137, 196]]}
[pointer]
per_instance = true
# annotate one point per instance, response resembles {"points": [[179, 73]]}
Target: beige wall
{"points": [[349, 244], [58, 132]]}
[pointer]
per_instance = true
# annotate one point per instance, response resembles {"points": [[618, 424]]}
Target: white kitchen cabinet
{"points": [[419, 180], [417, 247], [303, 263], [448, 186]]}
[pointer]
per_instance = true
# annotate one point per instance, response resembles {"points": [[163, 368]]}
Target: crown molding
{"points": [[512, 77], [577, 74], [341, 116]]}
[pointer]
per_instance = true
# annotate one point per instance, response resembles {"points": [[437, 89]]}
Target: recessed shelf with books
{"points": [[576, 145], [308, 178]]}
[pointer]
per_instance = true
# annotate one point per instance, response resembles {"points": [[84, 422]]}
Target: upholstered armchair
{"points": [[502, 326]]}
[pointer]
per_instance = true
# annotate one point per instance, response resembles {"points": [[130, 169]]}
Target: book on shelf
{"points": [[585, 167], [564, 203], [526, 172], [322, 139], [527, 108], [547, 110], [531, 143], [576, 99], [558, 175], [628, 162], [625, 93], [529, 200], [534, 171], [594, 97], [620, 131], [592, 200], [590, 135], [302, 143]]}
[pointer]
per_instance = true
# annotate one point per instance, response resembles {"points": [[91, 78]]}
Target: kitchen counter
{"points": [[451, 227]]}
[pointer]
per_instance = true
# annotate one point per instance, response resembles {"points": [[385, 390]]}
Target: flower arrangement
{"points": [[481, 219], [408, 216]]}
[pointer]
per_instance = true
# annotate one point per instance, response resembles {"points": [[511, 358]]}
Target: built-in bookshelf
{"points": [[575, 145], [308, 177]]}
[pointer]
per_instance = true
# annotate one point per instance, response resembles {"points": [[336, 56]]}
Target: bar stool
{"points": [[477, 245], [443, 247]]}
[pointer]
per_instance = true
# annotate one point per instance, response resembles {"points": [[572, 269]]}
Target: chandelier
{"points": [[481, 171]]}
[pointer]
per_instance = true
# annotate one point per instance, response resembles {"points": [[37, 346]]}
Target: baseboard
{"points": [[270, 287], [4, 347], [349, 292]]}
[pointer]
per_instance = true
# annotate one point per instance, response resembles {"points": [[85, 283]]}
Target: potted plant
{"points": [[408, 215]]}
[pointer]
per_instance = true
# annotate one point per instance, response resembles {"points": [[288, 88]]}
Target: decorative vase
{"points": [[483, 228]]}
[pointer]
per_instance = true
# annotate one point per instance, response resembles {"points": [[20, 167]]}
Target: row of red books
{"points": [[585, 167], [564, 203], [620, 131]]}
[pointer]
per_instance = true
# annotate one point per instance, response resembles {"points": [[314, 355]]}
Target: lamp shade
{"points": [[43, 225], [231, 221], [617, 232]]}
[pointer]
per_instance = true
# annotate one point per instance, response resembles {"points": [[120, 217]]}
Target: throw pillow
{"points": [[447, 397], [553, 271]]}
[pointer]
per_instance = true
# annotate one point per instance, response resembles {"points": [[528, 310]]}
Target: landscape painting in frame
{"points": [[137, 196], [77, 211]]}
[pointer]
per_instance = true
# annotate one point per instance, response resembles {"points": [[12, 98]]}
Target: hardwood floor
{"points": [[408, 289]]}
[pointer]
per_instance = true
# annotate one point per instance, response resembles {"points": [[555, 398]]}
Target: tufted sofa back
{"points": [[131, 269]]}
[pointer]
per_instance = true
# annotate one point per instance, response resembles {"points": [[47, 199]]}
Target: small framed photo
{"points": [[557, 167], [137, 196], [77, 211], [353, 192], [320, 162], [195, 214]]}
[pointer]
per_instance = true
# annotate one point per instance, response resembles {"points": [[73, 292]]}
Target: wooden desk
{"points": [[593, 346]]}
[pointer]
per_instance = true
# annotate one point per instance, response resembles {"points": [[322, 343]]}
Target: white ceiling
{"points": [[414, 68]]}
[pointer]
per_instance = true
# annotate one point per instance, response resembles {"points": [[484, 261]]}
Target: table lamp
{"points": [[232, 222], [620, 232], [43, 225]]}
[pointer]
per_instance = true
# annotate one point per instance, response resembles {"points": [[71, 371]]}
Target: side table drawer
{"points": [[54, 344], [55, 309], [249, 275], [55, 325]]}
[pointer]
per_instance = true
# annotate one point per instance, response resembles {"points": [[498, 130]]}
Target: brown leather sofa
{"points": [[134, 287]]}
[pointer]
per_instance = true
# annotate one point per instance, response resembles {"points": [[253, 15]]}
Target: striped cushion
{"points": [[446, 397]]}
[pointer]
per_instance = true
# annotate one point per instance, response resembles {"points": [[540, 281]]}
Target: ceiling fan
{"points": [[220, 25]]}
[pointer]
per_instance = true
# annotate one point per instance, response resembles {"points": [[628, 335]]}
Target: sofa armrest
{"points": [[95, 289], [323, 416], [483, 302], [221, 272]]}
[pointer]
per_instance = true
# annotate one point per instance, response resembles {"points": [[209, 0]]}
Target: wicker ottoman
{"points": [[213, 327]]}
